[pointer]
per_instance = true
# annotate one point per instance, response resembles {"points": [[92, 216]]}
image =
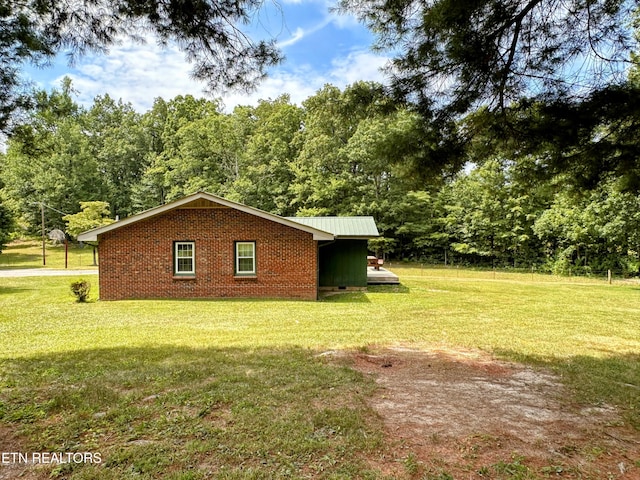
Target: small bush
{"points": [[81, 290]]}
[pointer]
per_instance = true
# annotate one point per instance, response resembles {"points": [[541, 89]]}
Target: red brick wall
{"points": [[136, 261]]}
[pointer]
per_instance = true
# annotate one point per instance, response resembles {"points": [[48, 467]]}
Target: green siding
{"points": [[343, 263]]}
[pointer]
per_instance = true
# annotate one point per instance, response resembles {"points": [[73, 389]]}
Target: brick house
{"points": [[204, 246]]}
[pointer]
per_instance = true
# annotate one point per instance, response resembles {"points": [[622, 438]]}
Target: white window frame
{"points": [[252, 257], [177, 257]]}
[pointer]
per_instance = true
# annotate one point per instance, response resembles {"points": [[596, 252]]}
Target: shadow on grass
{"points": [[345, 297], [13, 290], [11, 257], [389, 288], [243, 300], [200, 413], [23, 262], [613, 380]]}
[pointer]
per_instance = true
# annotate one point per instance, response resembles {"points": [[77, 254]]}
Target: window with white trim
{"points": [[245, 258], [184, 254]]}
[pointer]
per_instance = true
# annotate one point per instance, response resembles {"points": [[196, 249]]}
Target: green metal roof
{"points": [[342, 227]]}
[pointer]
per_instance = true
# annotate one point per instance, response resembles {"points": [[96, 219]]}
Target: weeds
{"points": [[272, 411]]}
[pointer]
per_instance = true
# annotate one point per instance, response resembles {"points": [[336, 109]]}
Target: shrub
{"points": [[81, 290]]}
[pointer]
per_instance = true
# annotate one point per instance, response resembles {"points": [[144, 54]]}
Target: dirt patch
{"points": [[11, 468], [463, 415]]}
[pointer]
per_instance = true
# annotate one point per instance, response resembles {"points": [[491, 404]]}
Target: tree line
{"points": [[507, 134], [354, 151]]}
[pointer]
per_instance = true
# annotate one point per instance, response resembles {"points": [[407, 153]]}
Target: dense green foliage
{"points": [[350, 152], [551, 77], [508, 137], [93, 215], [6, 226]]}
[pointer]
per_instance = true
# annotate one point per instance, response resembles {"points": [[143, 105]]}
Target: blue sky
{"points": [[320, 47]]}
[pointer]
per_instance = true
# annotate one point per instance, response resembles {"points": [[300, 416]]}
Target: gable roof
{"points": [[197, 199], [342, 227]]}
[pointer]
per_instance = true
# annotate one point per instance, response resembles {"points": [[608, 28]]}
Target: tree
{"points": [[458, 54], [207, 158], [208, 31], [591, 231], [162, 123], [195, 147], [119, 144], [6, 226], [92, 215], [489, 215], [271, 148], [49, 160], [337, 168], [7, 222], [416, 228], [551, 76], [587, 139]]}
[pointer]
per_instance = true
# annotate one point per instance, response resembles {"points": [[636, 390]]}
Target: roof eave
{"points": [[356, 237], [88, 236], [92, 235]]}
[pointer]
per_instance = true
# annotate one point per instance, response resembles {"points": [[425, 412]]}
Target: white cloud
{"points": [[358, 65], [339, 19], [296, 85], [344, 21], [304, 81], [301, 33], [138, 74], [298, 35], [134, 73]]}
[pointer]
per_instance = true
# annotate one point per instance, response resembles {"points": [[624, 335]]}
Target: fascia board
{"points": [[92, 235]]}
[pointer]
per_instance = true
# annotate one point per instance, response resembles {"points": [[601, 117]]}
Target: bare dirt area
{"points": [[10, 467], [464, 415]]}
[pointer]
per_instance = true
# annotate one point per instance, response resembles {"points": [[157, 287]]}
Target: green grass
{"points": [[234, 389], [234, 413], [28, 254]]}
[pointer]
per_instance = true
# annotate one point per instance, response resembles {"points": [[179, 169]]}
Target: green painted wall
{"points": [[343, 263]]}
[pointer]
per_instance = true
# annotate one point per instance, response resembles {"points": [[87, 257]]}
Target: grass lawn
{"points": [[235, 388], [28, 254]]}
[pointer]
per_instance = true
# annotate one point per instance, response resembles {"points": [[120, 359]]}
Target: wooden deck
{"points": [[381, 277]]}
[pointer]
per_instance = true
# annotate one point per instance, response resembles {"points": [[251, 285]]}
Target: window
{"points": [[245, 258], [184, 258]]}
